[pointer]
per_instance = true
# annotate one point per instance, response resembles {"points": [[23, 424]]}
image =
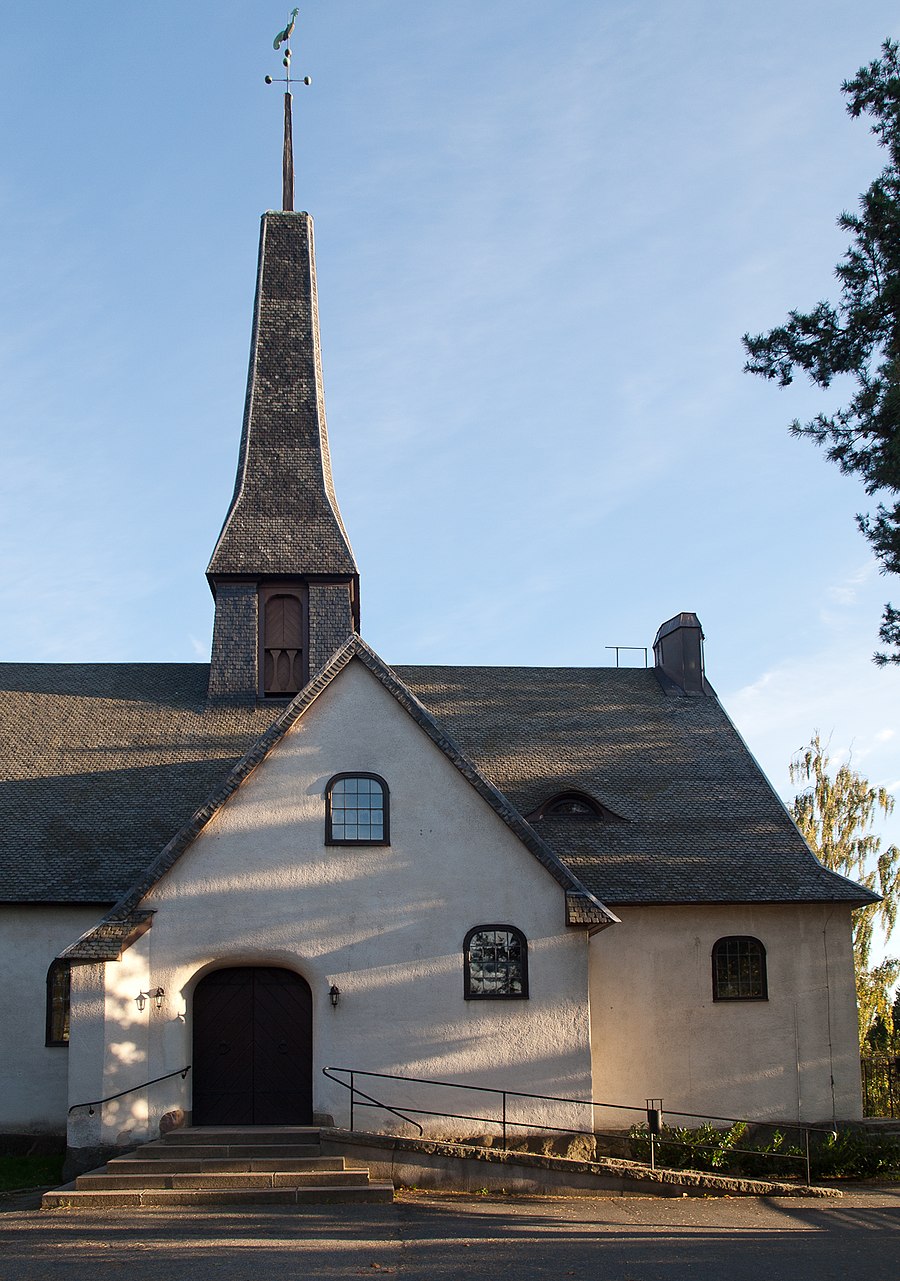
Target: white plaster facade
{"points": [[33, 1077], [386, 924], [657, 1032]]}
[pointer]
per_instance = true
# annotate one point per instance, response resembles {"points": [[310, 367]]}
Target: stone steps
{"points": [[206, 1179], [215, 1167], [224, 1165], [270, 1136], [160, 1151], [161, 1198]]}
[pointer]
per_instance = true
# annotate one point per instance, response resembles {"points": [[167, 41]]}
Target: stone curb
{"points": [[693, 1181]]}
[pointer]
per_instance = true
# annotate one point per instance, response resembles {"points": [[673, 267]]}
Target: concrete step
{"points": [[218, 1134], [162, 1150], [210, 1179], [164, 1198], [175, 1164]]}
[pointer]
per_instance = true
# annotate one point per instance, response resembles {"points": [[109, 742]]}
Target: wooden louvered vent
{"points": [[284, 656]]}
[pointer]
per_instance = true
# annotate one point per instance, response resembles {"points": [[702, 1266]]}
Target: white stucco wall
{"points": [[386, 924], [656, 1031], [32, 1074], [110, 1053]]}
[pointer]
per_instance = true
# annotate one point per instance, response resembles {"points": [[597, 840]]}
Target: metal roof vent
{"points": [[678, 656]]}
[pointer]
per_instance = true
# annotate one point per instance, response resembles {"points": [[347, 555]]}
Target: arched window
{"points": [[58, 986], [357, 810], [283, 643], [495, 959], [739, 969]]}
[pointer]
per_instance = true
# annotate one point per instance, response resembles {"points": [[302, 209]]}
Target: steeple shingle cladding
{"points": [[284, 517], [284, 524]]}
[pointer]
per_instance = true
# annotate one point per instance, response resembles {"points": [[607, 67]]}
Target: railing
{"points": [[97, 1103], [351, 1086], [652, 1114], [881, 1086]]}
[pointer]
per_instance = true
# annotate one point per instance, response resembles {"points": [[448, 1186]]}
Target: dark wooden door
{"points": [[252, 1061]]}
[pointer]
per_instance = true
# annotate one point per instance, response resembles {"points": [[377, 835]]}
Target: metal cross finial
{"points": [[287, 177]]}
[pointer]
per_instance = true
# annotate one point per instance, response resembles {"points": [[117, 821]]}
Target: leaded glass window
{"points": [[496, 963], [58, 985], [739, 970], [356, 810]]}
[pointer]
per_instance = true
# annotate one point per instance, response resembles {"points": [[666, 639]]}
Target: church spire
{"points": [[284, 516], [282, 572]]}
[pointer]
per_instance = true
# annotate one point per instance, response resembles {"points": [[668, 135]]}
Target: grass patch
{"points": [[29, 1172]]}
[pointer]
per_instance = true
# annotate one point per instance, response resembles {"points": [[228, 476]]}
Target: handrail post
{"points": [[654, 1126], [808, 1170], [351, 1100], [504, 1120]]}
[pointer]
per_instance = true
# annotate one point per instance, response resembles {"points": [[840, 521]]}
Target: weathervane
{"points": [[287, 179]]}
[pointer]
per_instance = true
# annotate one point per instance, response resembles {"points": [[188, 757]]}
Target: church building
{"points": [[219, 879]]}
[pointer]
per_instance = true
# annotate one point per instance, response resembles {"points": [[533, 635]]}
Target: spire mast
{"points": [[287, 162]]}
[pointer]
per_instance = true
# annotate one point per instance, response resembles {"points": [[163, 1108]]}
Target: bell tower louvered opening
{"points": [[285, 641]]}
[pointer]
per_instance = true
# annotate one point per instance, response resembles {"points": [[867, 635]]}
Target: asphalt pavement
{"points": [[433, 1237]]}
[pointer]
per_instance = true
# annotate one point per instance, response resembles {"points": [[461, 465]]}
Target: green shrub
{"points": [[855, 1154], [770, 1154], [682, 1148]]}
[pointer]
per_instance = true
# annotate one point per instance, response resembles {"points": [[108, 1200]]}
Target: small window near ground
{"points": [[58, 986], [356, 810], [739, 970], [495, 963]]}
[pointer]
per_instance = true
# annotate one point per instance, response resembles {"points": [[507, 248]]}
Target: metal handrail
{"points": [[654, 1114], [374, 1102], [95, 1103]]}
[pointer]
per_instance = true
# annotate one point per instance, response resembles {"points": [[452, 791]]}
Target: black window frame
{"points": [[58, 1006], [468, 994], [385, 838], [720, 975]]}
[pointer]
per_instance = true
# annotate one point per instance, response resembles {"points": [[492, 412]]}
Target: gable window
{"points": [[357, 810], [58, 986], [739, 969], [283, 643], [495, 963]]}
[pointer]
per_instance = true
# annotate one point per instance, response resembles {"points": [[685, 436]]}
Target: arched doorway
{"points": [[252, 1060]]}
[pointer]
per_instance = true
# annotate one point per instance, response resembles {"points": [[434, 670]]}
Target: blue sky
{"points": [[541, 232]]}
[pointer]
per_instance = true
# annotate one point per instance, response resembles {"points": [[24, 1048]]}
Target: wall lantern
{"points": [[334, 994], [141, 999]]}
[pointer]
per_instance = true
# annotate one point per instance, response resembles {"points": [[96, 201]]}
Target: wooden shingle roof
{"points": [[102, 764]]}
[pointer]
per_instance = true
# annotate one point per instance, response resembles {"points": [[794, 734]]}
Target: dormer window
{"points": [[573, 805], [284, 633]]}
